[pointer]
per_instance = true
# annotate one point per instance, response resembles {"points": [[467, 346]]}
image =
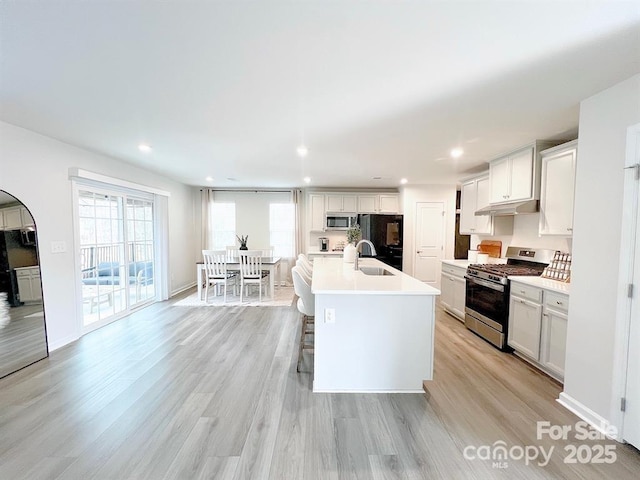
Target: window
{"points": [[282, 228], [222, 225]]}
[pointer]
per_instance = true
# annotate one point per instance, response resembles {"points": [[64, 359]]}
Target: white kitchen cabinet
{"points": [[389, 203], [554, 333], [367, 203], [511, 177], [29, 286], [316, 212], [27, 219], [453, 290], [12, 218], [538, 326], [474, 196], [525, 321], [557, 189], [379, 203], [341, 203]]}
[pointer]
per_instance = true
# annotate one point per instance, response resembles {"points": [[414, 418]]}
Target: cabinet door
{"points": [[499, 175], [521, 178], [525, 319], [556, 196], [27, 219], [316, 212], [36, 287], [388, 203], [446, 291], [12, 218], [334, 203], [468, 208], [349, 203], [24, 288], [1, 220], [367, 203], [459, 292], [554, 341], [484, 223]]}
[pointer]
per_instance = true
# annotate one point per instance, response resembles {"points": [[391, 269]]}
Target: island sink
{"points": [[375, 271]]}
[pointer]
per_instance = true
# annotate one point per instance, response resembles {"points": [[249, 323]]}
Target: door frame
{"points": [[631, 203]]}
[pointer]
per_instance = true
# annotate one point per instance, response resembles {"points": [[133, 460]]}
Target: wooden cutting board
{"points": [[491, 247]]}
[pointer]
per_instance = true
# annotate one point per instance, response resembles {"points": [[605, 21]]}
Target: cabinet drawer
{"points": [[23, 273], [556, 301], [455, 271], [526, 291]]}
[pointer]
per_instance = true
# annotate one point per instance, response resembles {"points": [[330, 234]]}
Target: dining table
{"points": [[270, 264]]}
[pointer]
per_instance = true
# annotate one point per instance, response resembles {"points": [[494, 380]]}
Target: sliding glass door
{"points": [[116, 234]]}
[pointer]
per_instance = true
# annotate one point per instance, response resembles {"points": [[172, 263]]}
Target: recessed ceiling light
{"points": [[143, 147], [457, 152], [306, 179], [209, 179], [302, 151], [403, 181]]}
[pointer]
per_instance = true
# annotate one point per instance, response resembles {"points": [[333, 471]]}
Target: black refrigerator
{"points": [[385, 232], [14, 254]]}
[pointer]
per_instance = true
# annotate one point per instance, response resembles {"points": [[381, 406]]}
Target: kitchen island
{"points": [[374, 328]]}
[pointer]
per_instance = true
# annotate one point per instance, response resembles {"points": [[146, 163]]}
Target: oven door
{"points": [[487, 302]]}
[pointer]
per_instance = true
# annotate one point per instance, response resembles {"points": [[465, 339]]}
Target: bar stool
{"points": [[306, 306]]}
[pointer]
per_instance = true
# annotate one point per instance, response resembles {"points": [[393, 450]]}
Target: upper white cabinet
{"points": [[474, 196], [27, 219], [379, 203], [512, 177], [316, 212], [15, 218], [341, 203], [516, 176], [12, 218], [557, 189]]}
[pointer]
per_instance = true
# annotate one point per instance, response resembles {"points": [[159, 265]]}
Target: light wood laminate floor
{"points": [[203, 392]]}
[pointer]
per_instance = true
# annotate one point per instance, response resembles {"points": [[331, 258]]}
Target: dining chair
{"points": [[251, 272], [215, 264], [268, 252], [306, 306], [232, 251], [303, 258]]}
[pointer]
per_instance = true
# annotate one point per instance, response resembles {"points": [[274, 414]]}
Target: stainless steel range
{"points": [[487, 291]]}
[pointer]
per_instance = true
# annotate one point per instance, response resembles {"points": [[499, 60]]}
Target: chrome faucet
{"points": [[373, 251]]}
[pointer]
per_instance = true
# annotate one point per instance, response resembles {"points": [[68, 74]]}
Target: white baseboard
{"points": [[182, 289], [61, 342], [598, 422]]}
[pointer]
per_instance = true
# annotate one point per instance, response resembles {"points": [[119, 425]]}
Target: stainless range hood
{"points": [[506, 209]]}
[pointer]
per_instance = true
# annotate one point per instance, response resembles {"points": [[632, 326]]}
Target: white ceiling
{"points": [[385, 89]]}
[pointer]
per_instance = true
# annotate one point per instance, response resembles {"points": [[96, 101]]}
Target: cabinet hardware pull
{"points": [[558, 302], [521, 301], [545, 314], [522, 291]]}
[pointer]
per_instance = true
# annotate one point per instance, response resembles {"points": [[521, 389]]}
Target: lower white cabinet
{"points": [[538, 326], [453, 290], [29, 286]]}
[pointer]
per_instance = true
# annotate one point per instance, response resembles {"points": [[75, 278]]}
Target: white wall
{"points": [[427, 193], [525, 234], [35, 169], [604, 119]]}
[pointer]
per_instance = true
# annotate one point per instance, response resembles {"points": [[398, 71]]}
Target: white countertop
{"points": [[466, 263], [333, 276], [26, 268], [544, 283], [328, 252]]}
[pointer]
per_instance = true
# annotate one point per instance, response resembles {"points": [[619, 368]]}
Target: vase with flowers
{"points": [[243, 241], [353, 235]]}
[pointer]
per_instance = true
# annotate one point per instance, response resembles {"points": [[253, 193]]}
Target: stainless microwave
{"points": [[340, 221]]}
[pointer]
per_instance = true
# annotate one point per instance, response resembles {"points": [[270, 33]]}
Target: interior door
{"points": [[429, 241]]}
